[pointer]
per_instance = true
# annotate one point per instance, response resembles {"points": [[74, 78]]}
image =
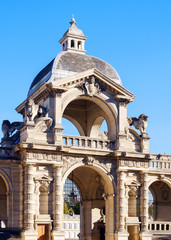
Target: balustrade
{"points": [[87, 142], [159, 227]]}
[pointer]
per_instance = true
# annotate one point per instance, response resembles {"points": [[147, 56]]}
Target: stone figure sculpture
{"points": [[9, 128], [33, 111], [139, 123]]}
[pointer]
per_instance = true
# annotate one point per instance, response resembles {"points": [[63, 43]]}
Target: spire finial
{"points": [[72, 22]]}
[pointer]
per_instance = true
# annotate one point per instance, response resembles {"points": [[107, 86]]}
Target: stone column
{"points": [[144, 203], [109, 217], [144, 208], [58, 232], [87, 220], [122, 123], [29, 232], [122, 176], [121, 231], [29, 198], [57, 130]]}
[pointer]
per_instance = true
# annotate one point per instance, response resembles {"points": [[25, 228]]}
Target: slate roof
{"points": [[72, 63]]}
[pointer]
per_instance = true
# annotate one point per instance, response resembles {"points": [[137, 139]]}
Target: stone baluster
{"points": [[29, 198]]}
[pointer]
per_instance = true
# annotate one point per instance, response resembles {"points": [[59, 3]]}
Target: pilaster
{"points": [[144, 208], [29, 232], [57, 233], [121, 213], [87, 219], [122, 122]]}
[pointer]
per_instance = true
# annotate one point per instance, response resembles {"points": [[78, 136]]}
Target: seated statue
{"points": [[139, 123], [9, 128]]}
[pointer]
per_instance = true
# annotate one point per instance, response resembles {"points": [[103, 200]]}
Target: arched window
{"points": [[43, 200], [79, 45], [3, 203], [72, 44], [132, 204]]}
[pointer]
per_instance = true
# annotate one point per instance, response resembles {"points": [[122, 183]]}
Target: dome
{"points": [[72, 60], [70, 63]]}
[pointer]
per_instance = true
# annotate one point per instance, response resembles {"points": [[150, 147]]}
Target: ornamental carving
{"points": [[132, 185], [133, 163], [43, 156], [108, 165], [90, 87], [42, 180]]}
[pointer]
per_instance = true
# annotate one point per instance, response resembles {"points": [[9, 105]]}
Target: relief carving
{"points": [[90, 87], [42, 180]]}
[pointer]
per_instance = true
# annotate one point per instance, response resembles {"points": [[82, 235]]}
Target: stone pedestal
{"points": [[145, 143], [145, 236], [58, 235], [29, 235], [121, 235]]}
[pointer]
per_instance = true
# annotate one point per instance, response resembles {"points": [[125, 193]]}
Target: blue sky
{"points": [[133, 36]]}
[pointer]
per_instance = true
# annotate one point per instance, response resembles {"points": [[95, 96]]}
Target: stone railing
{"points": [[87, 142], [161, 162], [159, 227]]}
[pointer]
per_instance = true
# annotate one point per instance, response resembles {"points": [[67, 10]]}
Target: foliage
{"points": [[150, 210], [71, 209]]}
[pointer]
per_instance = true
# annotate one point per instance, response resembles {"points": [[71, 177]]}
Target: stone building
{"points": [[113, 170]]}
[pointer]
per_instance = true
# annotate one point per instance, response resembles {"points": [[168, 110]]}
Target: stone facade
{"points": [[113, 170]]}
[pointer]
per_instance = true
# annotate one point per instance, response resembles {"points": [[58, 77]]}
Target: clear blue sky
{"points": [[133, 36]]}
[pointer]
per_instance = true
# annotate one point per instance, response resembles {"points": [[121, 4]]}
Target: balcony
{"points": [[159, 227], [87, 143]]}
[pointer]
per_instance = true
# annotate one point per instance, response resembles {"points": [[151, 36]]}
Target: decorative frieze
{"points": [[133, 163], [36, 156], [69, 161]]}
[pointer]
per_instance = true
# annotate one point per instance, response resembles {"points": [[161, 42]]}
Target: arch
{"points": [[96, 126], [101, 170], [161, 199], [102, 100], [156, 178], [76, 124], [6, 179]]}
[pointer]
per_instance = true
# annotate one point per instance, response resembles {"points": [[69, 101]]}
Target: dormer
{"points": [[73, 40]]}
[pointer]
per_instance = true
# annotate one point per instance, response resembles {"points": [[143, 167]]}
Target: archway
{"points": [[96, 203], [3, 203], [86, 113], [161, 193]]}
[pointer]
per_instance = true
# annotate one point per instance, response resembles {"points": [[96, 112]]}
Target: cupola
{"points": [[73, 40]]}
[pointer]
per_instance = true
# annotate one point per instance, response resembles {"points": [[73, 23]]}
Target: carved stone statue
{"points": [[139, 123], [9, 128], [92, 87], [34, 111]]}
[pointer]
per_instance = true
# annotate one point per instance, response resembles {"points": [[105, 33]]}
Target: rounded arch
{"points": [[107, 178], [6, 179], [156, 179], [76, 124], [96, 126], [102, 100]]}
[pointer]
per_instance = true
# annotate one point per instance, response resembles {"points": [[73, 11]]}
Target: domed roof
{"points": [[70, 63], [72, 60]]}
